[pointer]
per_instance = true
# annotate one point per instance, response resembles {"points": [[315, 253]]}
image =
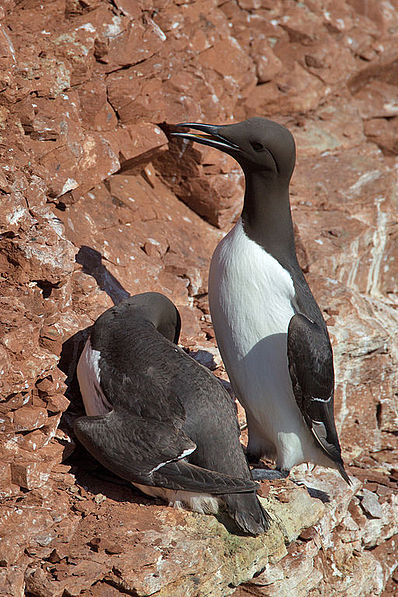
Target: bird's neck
{"points": [[164, 317], [267, 218]]}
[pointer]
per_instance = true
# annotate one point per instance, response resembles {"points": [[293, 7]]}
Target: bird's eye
{"points": [[256, 146]]}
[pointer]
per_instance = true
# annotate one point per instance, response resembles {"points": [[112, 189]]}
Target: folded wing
{"points": [[151, 452], [311, 371]]}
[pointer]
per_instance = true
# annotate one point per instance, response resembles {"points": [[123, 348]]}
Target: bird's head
{"points": [[257, 144]]}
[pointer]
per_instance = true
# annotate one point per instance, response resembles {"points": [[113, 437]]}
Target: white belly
{"points": [[183, 500], [251, 301]]}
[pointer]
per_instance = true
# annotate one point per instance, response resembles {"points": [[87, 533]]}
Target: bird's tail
{"points": [[247, 512], [341, 469]]}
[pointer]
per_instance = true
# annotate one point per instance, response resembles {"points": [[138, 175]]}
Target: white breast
{"points": [[250, 288], [251, 300], [88, 375]]}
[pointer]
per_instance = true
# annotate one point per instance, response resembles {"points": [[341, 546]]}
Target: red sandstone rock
{"points": [[57, 403], [83, 88], [383, 131], [32, 469], [28, 418]]}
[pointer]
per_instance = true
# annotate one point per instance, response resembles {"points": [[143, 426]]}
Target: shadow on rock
{"points": [[98, 481], [318, 494], [91, 260]]}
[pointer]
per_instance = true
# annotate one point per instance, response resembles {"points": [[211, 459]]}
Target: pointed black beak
{"points": [[209, 135]]}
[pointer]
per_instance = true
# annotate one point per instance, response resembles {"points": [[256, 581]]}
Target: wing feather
{"points": [[151, 452], [311, 370]]}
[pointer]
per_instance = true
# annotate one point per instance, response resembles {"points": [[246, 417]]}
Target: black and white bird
{"points": [[158, 418], [269, 329]]}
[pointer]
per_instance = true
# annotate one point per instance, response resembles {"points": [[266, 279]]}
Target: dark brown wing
{"points": [[311, 370], [151, 452]]}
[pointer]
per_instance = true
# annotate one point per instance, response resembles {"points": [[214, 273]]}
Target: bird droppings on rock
{"points": [[81, 98]]}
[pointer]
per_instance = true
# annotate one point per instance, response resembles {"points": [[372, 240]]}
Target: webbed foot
{"points": [[268, 474]]}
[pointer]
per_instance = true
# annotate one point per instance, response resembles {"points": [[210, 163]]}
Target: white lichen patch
{"points": [[16, 216]]}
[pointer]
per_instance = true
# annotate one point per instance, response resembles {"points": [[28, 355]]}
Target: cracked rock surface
{"points": [[95, 204]]}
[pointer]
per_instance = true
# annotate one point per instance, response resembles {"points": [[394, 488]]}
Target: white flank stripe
{"points": [[88, 375], [180, 457]]}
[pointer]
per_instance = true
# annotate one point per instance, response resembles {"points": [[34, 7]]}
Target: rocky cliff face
{"points": [[94, 204]]}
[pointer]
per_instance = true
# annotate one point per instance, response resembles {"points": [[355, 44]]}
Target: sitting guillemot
{"points": [[270, 331], [158, 418]]}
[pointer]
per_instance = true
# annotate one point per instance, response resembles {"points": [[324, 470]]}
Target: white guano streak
{"points": [[379, 244]]}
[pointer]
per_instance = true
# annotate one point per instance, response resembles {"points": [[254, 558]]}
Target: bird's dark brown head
{"points": [[157, 309], [257, 144]]}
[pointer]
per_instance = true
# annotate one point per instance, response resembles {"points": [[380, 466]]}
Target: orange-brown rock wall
{"points": [[94, 204]]}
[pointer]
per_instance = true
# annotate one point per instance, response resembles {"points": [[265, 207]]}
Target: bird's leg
{"points": [[254, 453]]}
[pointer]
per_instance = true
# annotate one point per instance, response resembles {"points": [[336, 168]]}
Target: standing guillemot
{"points": [[270, 331], [158, 418]]}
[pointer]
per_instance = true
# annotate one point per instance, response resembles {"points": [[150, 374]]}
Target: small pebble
{"points": [[370, 504]]}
